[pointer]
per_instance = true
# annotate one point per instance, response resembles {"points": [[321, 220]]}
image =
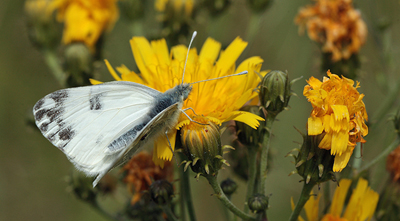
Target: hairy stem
{"points": [[252, 158], [304, 196], [270, 118], [225, 201]]}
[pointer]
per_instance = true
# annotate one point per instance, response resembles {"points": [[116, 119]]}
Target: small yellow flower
{"points": [[336, 25], [85, 20], [339, 112], [217, 101], [361, 206]]}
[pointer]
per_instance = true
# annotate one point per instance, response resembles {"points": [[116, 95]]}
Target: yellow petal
{"points": [[312, 207], [94, 82], [112, 71], [341, 160], [339, 197], [162, 148], [340, 112], [339, 142], [315, 126], [161, 50], [247, 118], [210, 50], [228, 57], [326, 142], [362, 203]]}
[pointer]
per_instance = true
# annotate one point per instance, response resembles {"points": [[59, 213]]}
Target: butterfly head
{"points": [[184, 90]]}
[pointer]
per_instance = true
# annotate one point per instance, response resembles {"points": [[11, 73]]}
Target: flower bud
{"points": [[216, 7], [161, 191], [202, 146], [144, 209], [275, 91], [313, 163], [228, 186], [78, 64], [43, 30], [247, 135], [258, 203]]}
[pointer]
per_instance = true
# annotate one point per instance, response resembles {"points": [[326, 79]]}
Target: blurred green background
{"points": [[32, 171]]}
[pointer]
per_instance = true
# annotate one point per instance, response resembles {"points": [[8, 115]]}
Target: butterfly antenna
{"points": [[187, 54], [241, 73]]}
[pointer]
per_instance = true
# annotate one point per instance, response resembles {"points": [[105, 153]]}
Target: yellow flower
{"points": [[336, 25], [361, 206], [85, 20], [217, 101], [339, 112]]}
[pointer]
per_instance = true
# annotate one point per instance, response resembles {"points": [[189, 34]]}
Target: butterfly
{"points": [[99, 127]]}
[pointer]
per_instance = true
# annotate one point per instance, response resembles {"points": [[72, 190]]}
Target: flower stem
{"points": [[252, 159], [186, 194], [305, 195], [52, 61], [357, 159], [270, 118], [221, 196], [383, 154]]}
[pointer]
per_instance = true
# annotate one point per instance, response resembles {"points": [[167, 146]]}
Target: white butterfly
{"points": [[101, 126]]}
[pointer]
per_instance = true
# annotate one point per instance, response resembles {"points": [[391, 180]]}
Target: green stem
{"points": [[305, 195], [167, 210], [55, 67], [383, 154], [221, 196], [270, 118], [357, 157], [252, 158], [186, 194]]}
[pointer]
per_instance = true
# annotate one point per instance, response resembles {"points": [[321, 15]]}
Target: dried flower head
{"points": [[339, 112], [336, 25], [140, 172]]}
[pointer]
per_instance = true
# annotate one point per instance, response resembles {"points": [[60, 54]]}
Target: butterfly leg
{"points": [[170, 147], [191, 118], [189, 108]]}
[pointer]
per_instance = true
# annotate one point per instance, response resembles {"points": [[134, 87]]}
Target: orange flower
{"points": [[336, 25], [340, 113], [141, 172]]}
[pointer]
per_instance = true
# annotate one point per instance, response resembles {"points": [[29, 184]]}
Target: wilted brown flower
{"points": [[393, 164], [140, 172], [336, 25]]}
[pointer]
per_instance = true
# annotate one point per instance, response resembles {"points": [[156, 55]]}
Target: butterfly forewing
{"points": [[95, 125]]}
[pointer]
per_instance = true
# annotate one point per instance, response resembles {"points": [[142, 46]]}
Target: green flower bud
{"points": [[202, 146], [161, 191], [228, 186], [247, 135], [275, 91], [43, 30], [313, 163], [78, 64], [258, 203]]}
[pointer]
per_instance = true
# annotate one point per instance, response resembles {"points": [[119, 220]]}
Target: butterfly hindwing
{"points": [[94, 125]]}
